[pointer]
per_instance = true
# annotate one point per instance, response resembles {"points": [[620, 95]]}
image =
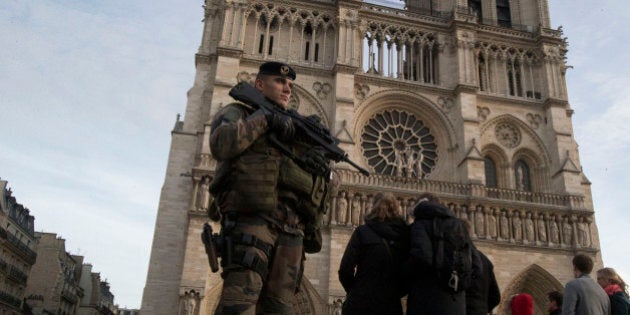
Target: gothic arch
{"points": [[309, 105], [538, 148], [440, 127], [501, 161], [535, 281], [414, 103]]}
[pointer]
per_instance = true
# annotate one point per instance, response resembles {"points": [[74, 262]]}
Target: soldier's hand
{"points": [[315, 162], [282, 125]]}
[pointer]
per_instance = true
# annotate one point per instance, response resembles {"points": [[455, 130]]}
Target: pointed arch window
{"points": [[522, 176], [491, 172]]}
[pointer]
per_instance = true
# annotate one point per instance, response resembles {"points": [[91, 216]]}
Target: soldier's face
{"points": [[276, 88]]}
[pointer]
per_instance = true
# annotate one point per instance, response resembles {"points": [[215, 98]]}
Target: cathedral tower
{"points": [[463, 99]]}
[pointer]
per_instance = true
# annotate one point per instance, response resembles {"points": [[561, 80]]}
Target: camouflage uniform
{"points": [[259, 203]]}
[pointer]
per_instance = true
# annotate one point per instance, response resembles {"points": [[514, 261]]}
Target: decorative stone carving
{"points": [[445, 103], [342, 209], [479, 221], [534, 120], [483, 113], [203, 195], [517, 227], [503, 222], [582, 234], [322, 90], [492, 224], [356, 210], [567, 231], [361, 91], [529, 228], [542, 229], [508, 135], [244, 76], [554, 237], [396, 143]]}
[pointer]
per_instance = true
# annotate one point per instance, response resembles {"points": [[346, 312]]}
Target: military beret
{"points": [[277, 68]]}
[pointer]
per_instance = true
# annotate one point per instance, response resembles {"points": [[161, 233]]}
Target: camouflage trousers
{"points": [[244, 289]]}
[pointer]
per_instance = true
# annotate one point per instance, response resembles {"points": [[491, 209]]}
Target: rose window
{"points": [[396, 143]]}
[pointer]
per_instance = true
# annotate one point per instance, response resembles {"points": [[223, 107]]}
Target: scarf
{"points": [[612, 289]]}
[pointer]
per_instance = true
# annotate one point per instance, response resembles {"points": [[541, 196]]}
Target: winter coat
{"points": [[583, 296], [376, 286], [427, 295], [619, 302], [484, 294]]}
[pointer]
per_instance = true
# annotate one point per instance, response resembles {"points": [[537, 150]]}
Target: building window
{"points": [[483, 76], [522, 176], [316, 56], [515, 83], [491, 172], [397, 143], [270, 45], [474, 7], [261, 45], [503, 13], [306, 50]]}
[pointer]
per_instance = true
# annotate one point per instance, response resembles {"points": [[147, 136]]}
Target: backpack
{"points": [[452, 254]]}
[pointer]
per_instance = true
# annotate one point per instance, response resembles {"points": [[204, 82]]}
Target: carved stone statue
{"points": [[529, 228], [505, 233], [479, 220], [517, 226], [337, 306], [342, 209], [398, 155], [542, 229], [492, 224], [419, 161], [410, 163], [567, 231], [553, 230], [203, 195], [356, 210], [582, 235]]}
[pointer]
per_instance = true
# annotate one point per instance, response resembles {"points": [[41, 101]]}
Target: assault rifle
{"points": [[310, 128]]}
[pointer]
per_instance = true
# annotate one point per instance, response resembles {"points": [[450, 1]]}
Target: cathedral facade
{"points": [[465, 99]]}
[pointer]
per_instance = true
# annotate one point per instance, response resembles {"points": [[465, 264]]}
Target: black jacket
{"points": [[484, 294], [619, 304], [427, 295], [376, 286]]}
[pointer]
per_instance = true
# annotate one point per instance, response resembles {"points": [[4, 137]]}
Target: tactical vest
{"points": [[251, 183]]}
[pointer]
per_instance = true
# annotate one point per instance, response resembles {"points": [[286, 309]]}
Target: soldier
{"points": [[270, 203]]}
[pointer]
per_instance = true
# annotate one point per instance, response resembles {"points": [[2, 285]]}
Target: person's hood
{"points": [[391, 230], [430, 210]]}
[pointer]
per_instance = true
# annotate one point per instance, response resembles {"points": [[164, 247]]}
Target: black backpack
{"points": [[452, 254]]}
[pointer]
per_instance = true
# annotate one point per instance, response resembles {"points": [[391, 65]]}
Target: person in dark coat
{"points": [[370, 267], [484, 294], [427, 295], [554, 304], [616, 289]]}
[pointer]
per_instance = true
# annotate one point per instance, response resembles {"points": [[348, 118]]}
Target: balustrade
{"points": [[496, 214]]}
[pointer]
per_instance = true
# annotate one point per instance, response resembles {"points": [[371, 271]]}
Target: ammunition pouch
{"points": [[311, 189], [255, 181]]}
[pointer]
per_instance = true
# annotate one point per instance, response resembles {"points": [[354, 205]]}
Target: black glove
{"points": [[315, 162], [280, 124]]}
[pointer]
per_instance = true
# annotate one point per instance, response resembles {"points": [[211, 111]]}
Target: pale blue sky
{"points": [[89, 91]]}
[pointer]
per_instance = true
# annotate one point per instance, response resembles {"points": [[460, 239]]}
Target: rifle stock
{"points": [[311, 129]]}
